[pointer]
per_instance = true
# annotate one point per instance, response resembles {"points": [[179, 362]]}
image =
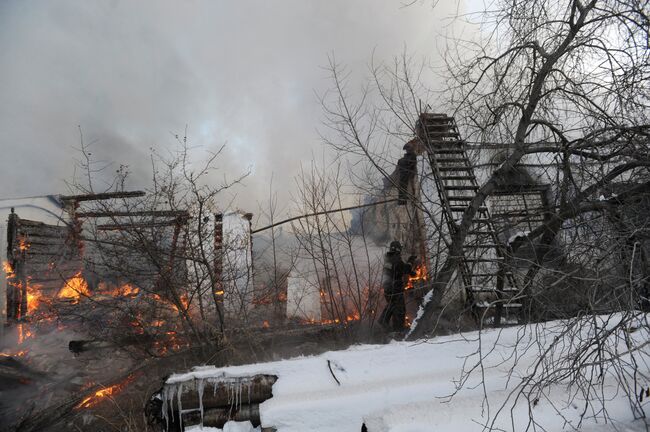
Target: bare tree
{"points": [[151, 261], [561, 86]]}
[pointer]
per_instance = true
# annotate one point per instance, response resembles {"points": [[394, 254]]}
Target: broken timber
{"points": [[210, 401], [102, 196]]}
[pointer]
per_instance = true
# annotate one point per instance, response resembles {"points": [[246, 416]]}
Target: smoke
{"points": [[133, 74]]}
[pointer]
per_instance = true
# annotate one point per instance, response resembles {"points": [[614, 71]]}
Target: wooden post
{"points": [[218, 289], [3, 279], [13, 297]]}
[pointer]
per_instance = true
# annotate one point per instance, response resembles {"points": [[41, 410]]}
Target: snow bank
{"points": [[408, 386]]}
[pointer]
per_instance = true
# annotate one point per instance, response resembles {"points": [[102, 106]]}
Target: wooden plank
{"points": [[136, 225], [43, 231], [102, 196], [154, 213]]}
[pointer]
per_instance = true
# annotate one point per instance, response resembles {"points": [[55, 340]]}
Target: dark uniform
{"points": [[406, 168], [393, 283]]}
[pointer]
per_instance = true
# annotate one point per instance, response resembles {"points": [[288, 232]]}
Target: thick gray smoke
{"points": [[132, 74]]}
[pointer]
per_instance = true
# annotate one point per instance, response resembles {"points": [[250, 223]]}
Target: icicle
{"points": [[237, 394], [169, 395], [164, 393], [241, 390], [180, 405], [199, 389]]}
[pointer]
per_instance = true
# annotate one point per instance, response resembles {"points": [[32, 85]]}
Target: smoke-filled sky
{"points": [[133, 73]]}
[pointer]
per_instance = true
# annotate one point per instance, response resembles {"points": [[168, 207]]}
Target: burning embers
{"points": [[420, 275], [104, 393], [22, 288], [74, 288], [123, 313]]}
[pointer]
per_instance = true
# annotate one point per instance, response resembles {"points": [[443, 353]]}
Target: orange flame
{"points": [[9, 271], [97, 397], [34, 296], [420, 274], [355, 316], [16, 354], [33, 299], [74, 288], [125, 290], [23, 333]]}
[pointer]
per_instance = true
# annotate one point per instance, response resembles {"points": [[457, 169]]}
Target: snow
{"points": [[517, 235], [425, 301], [408, 387], [231, 426]]}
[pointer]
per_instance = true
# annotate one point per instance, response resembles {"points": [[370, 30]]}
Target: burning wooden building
{"points": [[130, 272], [496, 270]]}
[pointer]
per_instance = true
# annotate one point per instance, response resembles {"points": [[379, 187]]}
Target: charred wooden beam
{"points": [[154, 213], [102, 196], [218, 417], [79, 346], [134, 226], [219, 394], [212, 401]]}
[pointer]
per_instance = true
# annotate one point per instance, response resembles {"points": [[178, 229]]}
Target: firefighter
{"points": [[395, 271], [406, 168]]}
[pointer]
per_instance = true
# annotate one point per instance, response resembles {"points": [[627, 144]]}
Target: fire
{"points": [[16, 354], [9, 272], [266, 324], [124, 290], [185, 302], [33, 299], [420, 274], [23, 245], [355, 316], [97, 397], [24, 333], [74, 288]]}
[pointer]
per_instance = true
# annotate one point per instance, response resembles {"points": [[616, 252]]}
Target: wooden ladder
{"points": [[489, 285]]}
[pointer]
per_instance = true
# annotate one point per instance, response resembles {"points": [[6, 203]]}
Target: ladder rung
{"points": [[490, 275], [463, 208], [491, 290], [442, 134], [483, 246], [447, 147], [435, 117], [460, 198], [447, 169], [493, 305], [445, 160], [448, 151], [452, 187], [477, 260], [439, 124], [457, 177], [435, 143]]}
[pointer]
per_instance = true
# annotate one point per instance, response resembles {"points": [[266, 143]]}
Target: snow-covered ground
{"points": [[408, 387]]}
